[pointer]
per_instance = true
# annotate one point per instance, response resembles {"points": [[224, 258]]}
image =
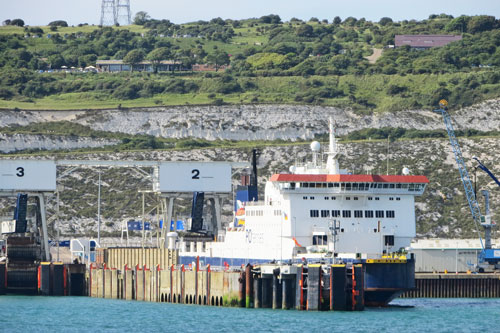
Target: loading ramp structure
{"points": [[169, 181]]}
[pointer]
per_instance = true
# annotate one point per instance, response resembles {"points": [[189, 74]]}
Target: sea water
{"points": [[84, 314]]}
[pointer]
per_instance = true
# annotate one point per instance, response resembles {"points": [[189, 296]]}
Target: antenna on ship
{"points": [[332, 164], [254, 178]]}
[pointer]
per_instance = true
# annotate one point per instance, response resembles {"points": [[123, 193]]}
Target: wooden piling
{"points": [[288, 297], [242, 289], [257, 288], [249, 287], [277, 291], [314, 288], [301, 292], [338, 286]]}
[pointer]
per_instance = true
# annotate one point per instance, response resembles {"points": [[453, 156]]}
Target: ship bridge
{"points": [[377, 184]]}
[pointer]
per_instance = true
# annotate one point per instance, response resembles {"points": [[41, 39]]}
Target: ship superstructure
{"points": [[318, 211], [321, 213]]}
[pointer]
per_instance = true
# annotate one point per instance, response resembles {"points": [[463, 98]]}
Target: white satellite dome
{"points": [[406, 171], [292, 169], [315, 146]]}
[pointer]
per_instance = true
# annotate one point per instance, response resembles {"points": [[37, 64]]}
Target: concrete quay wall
{"points": [[149, 257], [175, 284], [279, 287]]}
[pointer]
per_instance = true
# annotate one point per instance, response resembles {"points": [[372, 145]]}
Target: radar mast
{"points": [[332, 164]]}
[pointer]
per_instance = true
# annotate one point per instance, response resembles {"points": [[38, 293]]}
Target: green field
{"points": [[297, 62], [360, 93]]}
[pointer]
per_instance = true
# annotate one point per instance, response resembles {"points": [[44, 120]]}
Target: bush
{"points": [[218, 101], [130, 91], [36, 30], [58, 23], [394, 89], [192, 143], [181, 86], [273, 19], [6, 93], [227, 85], [17, 22]]}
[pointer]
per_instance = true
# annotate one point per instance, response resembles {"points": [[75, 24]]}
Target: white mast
{"points": [[332, 164]]}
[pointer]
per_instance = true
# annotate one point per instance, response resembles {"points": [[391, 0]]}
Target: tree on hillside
{"points": [[157, 55], [56, 61], [58, 23], [271, 18], [6, 22], [176, 55], [458, 24], [481, 23], [141, 17], [133, 58], [350, 21], [18, 22], [305, 30], [218, 58], [120, 54], [385, 21]]}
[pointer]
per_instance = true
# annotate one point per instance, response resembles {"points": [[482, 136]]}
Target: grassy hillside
{"points": [[376, 92], [314, 62]]}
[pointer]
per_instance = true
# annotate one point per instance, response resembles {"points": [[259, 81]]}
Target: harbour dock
{"points": [[462, 285], [301, 287]]}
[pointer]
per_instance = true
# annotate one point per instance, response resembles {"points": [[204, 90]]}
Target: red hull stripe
{"points": [[348, 178]]}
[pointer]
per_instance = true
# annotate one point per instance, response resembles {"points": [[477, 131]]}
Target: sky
{"points": [[41, 12]]}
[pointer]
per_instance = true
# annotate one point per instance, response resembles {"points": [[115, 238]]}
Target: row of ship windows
{"points": [[356, 186], [276, 212], [349, 198], [348, 213], [323, 239]]}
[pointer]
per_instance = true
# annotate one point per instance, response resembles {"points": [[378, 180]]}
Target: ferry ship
{"points": [[318, 212]]}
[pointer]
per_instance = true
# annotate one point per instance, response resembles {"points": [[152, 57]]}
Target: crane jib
{"points": [[464, 175]]}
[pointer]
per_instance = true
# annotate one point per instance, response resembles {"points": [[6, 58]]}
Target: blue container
{"points": [[180, 225]]}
